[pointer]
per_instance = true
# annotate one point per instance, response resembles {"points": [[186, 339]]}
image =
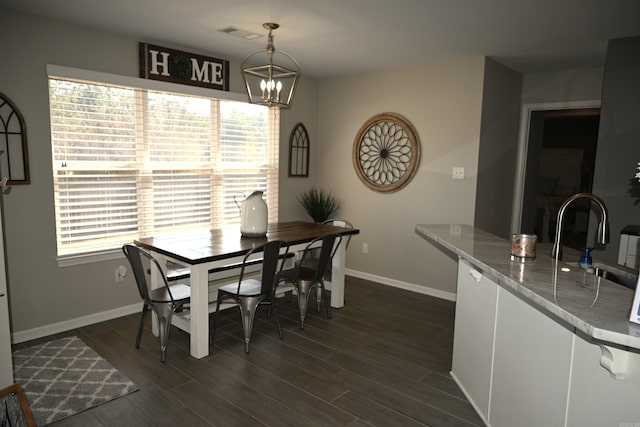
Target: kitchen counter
{"points": [[565, 295], [535, 343]]}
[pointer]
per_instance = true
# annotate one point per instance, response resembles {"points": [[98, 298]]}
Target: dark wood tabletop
{"points": [[197, 247]]}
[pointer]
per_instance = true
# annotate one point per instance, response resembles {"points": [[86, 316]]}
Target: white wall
{"points": [[443, 102]]}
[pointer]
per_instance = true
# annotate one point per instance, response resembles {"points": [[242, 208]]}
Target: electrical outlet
{"points": [[120, 273], [365, 248], [457, 173]]}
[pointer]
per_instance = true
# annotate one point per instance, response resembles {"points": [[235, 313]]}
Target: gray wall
{"points": [[576, 88], [498, 148], [45, 297], [619, 139], [564, 86], [618, 86], [443, 101]]}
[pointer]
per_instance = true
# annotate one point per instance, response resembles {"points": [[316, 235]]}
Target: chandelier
{"points": [[268, 83]]}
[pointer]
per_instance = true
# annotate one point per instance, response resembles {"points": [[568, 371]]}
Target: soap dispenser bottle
{"points": [[585, 259]]}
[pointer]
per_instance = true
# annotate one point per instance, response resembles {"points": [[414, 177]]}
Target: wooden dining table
{"points": [[217, 249]]}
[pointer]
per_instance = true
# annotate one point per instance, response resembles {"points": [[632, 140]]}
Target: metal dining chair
{"points": [[163, 301], [304, 278], [249, 293], [312, 260]]}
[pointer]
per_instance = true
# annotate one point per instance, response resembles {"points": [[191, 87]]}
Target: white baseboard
{"points": [[78, 322], [403, 285]]}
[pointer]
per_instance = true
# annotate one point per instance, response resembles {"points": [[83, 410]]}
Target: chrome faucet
{"points": [[603, 226]]}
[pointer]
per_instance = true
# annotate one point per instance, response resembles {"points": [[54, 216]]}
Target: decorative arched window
{"points": [[14, 163], [299, 151]]}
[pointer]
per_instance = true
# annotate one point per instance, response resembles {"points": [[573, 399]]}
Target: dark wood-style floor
{"points": [[383, 359]]}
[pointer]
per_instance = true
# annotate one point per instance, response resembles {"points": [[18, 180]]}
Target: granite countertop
{"points": [[567, 296]]}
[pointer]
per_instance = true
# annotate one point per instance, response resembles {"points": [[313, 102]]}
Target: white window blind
{"points": [[131, 162]]}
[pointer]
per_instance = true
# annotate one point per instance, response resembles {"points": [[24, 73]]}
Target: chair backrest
{"points": [[135, 256], [341, 223], [270, 265], [330, 243]]}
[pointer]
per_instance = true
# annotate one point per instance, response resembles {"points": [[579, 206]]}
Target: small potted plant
{"points": [[318, 203]]}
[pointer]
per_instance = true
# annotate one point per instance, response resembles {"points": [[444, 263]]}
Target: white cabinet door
{"points": [[473, 338], [6, 364], [595, 397], [531, 368]]}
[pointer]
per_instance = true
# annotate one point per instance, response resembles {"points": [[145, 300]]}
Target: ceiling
{"points": [[338, 37]]}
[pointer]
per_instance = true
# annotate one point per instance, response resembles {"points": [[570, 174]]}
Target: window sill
{"points": [[88, 258]]}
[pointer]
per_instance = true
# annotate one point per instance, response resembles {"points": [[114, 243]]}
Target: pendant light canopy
{"points": [[270, 76]]}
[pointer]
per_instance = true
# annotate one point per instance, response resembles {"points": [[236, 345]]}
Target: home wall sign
{"points": [[386, 152], [176, 66], [14, 162]]}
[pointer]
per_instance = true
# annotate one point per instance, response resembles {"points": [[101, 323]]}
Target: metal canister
{"points": [[523, 246]]}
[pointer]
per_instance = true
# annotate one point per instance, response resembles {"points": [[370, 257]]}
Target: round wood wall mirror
{"points": [[386, 152]]}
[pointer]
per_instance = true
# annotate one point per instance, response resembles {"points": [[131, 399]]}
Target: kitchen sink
{"points": [[622, 276]]}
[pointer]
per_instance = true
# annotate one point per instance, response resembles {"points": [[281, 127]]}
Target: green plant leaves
{"points": [[318, 203]]}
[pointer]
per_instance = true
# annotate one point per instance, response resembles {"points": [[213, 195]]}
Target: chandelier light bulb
{"points": [[263, 86]]}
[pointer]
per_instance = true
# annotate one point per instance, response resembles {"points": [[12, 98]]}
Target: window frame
{"points": [[60, 72]]}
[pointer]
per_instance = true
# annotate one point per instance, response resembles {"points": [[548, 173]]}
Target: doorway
{"points": [[558, 151]]}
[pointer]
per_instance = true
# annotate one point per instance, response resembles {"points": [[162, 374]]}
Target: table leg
{"points": [[199, 325], [337, 277]]}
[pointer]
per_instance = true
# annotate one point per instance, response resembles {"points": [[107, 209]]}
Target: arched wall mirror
{"points": [[299, 151], [14, 163]]}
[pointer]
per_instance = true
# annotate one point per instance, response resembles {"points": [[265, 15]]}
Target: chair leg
{"points": [[303, 300], [162, 325], [327, 304], [272, 307], [141, 326], [212, 331], [318, 298], [164, 313], [248, 312]]}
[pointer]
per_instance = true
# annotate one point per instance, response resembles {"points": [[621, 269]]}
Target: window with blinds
{"points": [[131, 162]]}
